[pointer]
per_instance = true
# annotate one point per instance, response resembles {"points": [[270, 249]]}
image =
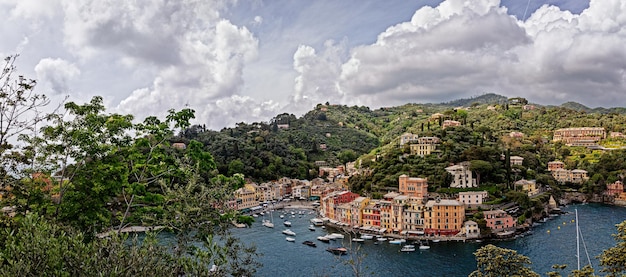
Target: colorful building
{"points": [[443, 217], [413, 187], [499, 220]]}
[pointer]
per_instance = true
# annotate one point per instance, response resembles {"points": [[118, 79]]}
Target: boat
{"points": [[282, 216], [287, 223], [424, 246], [381, 238], [323, 239], [397, 241], [317, 221], [289, 232], [267, 223], [358, 240], [290, 239], [408, 248], [335, 236], [337, 250], [311, 227], [436, 240], [309, 243], [367, 237]]}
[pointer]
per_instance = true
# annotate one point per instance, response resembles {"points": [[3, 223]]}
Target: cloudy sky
{"points": [[249, 60]]}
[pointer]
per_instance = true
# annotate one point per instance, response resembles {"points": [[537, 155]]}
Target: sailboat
{"points": [[579, 238], [267, 223]]}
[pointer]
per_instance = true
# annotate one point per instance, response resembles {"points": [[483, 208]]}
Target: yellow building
{"points": [[246, 199], [443, 217]]}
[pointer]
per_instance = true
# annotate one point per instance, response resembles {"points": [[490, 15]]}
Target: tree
{"points": [[493, 261], [614, 259], [480, 167]]}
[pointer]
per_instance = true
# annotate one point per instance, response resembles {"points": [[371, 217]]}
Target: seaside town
{"points": [[411, 212]]}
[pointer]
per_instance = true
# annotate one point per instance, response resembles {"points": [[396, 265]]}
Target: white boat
{"points": [[289, 232], [255, 215], [282, 216], [365, 236], [424, 247], [335, 236], [287, 223], [290, 239], [408, 248], [436, 240], [397, 241], [323, 239], [317, 221], [358, 240], [267, 223], [380, 238], [311, 227]]}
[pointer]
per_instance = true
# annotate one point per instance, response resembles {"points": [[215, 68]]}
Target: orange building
{"points": [[499, 220], [614, 189], [554, 165], [413, 187], [443, 217]]}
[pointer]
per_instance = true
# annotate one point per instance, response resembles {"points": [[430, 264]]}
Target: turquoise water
{"points": [[283, 258]]}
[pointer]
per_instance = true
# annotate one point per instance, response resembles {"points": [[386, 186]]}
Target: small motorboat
{"points": [[290, 239], [408, 248], [309, 243], [311, 227], [289, 232], [337, 250], [287, 223], [323, 239], [397, 241], [367, 237], [358, 240]]}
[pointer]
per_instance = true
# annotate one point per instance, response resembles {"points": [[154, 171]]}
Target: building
{"points": [[554, 165], [371, 215], [582, 136], [413, 187], [356, 210], [516, 134], [413, 216], [408, 138], [516, 160], [499, 220], [397, 209], [471, 229], [179, 145], [529, 186], [462, 176], [443, 217], [472, 199], [450, 123], [424, 146], [246, 199], [578, 176], [614, 189]]}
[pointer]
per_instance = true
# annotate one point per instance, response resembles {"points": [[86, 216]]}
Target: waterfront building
{"points": [[356, 210], [253, 187], [413, 216], [499, 220], [371, 215], [333, 200], [342, 213], [614, 189], [246, 199], [471, 229], [397, 207], [473, 199], [462, 176], [443, 217], [412, 186], [385, 214]]}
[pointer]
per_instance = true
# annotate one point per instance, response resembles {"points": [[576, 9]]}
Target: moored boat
{"points": [[290, 239], [309, 243], [335, 236], [366, 236], [289, 232], [323, 239], [408, 248], [287, 223], [317, 221], [311, 227], [397, 241], [358, 240], [337, 250]]}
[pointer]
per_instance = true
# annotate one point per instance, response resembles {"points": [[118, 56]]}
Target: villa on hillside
{"points": [[424, 146], [554, 165], [472, 199], [499, 220], [413, 187], [450, 123], [583, 136], [408, 138], [462, 176], [516, 160]]}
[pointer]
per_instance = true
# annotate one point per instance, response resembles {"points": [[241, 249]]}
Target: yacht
{"points": [[290, 239], [287, 223], [289, 232], [323, 239]]}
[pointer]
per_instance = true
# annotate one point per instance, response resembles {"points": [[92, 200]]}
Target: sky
{"points": [[248, 61]]}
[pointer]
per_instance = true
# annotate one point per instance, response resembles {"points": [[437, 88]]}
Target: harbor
{"points": [[547, 244]]}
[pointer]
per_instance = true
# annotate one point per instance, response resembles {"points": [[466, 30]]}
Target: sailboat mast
{"points": [[577, 240]]}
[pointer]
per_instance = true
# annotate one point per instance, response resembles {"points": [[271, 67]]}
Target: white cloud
{"points": [[463, 48], [57, 73]]}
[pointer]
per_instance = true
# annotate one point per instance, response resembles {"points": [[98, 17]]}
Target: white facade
{"points": [[472, 198], [462, 176]]}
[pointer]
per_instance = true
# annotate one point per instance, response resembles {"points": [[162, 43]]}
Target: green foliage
{"points": [[614, 259], [493, 261]]}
